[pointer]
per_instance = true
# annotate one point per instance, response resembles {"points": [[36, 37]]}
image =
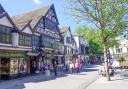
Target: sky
{"points": [[14, 7]]}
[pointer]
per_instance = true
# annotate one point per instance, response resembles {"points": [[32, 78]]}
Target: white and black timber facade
{"points": [[28, 41]]}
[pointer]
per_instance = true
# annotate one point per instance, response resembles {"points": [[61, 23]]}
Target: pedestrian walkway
{"points": [[62, 81], [117, 82]]}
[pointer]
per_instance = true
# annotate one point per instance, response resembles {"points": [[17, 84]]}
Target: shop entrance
{"points": [[5, 68], [33, 64]]}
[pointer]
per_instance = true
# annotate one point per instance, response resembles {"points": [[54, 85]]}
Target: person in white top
{"points": [[71, 66], [102, 70]]}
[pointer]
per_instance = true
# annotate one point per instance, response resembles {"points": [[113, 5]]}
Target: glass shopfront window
{"points": [[13, 66], [5, 65], [22, 65], [12, 63]]}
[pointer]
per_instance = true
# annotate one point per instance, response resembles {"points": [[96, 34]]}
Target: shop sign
{"points": [[11, 54]]}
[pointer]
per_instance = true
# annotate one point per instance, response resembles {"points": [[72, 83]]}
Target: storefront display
{"points": [[22, 65], [13, 66], [5, 65]]}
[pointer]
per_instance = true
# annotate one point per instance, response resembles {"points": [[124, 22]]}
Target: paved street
{"points": [[63, 81], [119, 81]]}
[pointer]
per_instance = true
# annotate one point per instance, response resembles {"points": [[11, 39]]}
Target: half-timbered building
{"points": [[45, 41], [10, 53], [70, 48]]}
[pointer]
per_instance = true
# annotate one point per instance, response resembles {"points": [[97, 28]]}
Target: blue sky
{"points": [[14, 7]]}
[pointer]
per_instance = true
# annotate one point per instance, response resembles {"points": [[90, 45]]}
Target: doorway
{"points": [[5, 68], [33, 64]]}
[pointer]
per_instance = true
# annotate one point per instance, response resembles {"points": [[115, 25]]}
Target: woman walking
{"points": [[77, 65]]}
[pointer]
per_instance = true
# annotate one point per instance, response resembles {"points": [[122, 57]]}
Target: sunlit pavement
{"points": [[119, 81], [62, 81]]}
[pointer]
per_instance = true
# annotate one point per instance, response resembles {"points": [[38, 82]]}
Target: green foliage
{"points": [[92, 38], [107, 15]]}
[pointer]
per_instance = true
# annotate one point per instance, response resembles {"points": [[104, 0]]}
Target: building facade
{"points": [[119, 51], [29, 41], [70, 48], [82, 48]]}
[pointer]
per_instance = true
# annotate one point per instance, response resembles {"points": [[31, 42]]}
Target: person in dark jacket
{"points": [[55, 68]]}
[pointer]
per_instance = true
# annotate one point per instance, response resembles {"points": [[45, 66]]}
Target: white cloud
{"points": [[37, 1]]}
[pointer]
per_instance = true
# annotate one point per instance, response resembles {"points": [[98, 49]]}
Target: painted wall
{"points": [[4, 21], [65, 39], [27, 30]]}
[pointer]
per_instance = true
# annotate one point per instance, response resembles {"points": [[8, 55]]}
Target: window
{"points": [[87, 50], [50, 25], [119, 50], [48, 42], [5, 34], [25, 40], [35, 42], [69, 40]]}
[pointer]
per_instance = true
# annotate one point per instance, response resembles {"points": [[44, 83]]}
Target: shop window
{"points": [[13, 66], [5, 65], [22, 65]]}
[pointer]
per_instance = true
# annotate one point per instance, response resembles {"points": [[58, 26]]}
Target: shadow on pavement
{"points": [[20, 82]]}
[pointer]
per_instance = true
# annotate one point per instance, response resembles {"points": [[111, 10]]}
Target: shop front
{"points": [[60, 60], [48, 56], [12, 63], [68, 58], [33, 63]]}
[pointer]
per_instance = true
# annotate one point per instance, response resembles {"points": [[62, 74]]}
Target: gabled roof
{"points": [[33, 16], [64, 30], [4, 13]]}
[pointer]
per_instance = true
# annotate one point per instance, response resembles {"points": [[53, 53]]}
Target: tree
{"points": [[90, 35], [108, 16]]}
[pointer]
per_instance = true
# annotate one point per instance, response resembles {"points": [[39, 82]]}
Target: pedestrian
{"points": [[102, 70], [71, 66], [77, 65], [47, 71], [65, 69], [55, 68]]}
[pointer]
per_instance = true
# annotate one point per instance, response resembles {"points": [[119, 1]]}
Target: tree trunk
{"points": [[106, 63]]}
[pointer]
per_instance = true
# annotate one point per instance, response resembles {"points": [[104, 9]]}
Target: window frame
{"points": [[6, 34]]}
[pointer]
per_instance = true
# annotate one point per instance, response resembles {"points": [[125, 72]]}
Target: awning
{"points": [[32, 54]]}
